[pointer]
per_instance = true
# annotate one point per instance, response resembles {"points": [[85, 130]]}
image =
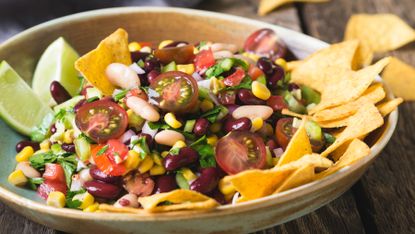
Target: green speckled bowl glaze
{"points": [[84, 31]]}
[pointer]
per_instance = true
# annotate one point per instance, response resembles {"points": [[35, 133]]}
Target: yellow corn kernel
{"points": [[25, 154], [164, 154], [212, 140], [164, 43], [134, 46], [229, 197], [188, 174], [157, 158], [281, 62], [257, 124], [56, 199], [251, 56], [171, 120], [179, 144], [157, 170], [206, 105], [186, 68], [260, 90], [215, 127], [92, 208], [275, 161], [195, 50], [45, 145], [226, 187], [216, 85], [132, 160], [68, 137], [17, 178], [146, 165], [86, 200]]}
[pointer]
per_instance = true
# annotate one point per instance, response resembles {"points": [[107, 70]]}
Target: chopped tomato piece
{"points": [[145, 43], [204, 59], [54, 172], [109, 159], [254, 72], [50, 186], [235, 78]]}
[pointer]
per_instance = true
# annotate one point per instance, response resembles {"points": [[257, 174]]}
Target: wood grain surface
{"points": [[381, 202]]}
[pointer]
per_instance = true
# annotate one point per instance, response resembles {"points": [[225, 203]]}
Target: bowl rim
{"points": [[11, 197]]}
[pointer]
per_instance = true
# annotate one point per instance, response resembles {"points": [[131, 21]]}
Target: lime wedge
{"points": [[20, 107], [56, 63]]}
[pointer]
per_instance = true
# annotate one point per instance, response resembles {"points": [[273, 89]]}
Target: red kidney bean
{"points": [[58, 92], [97, 174], [237, 124], [68, 147], [21, 144], [151, 64], [53, 129], [227, 97], [165, 183], [149, 139], [265, 65], [139, 184], [206, 182], [218, 196], [201, 127], [102, 190], [137, 55], [277, 103], [143, 79], [185, 157], [277, 75], [152, 75], [246, 97]]}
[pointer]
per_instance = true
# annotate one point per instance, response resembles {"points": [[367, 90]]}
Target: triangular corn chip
{"points": [[299, 177], [266, 6], [373, 94], [112, 209], [387, 107], [356, 150], [377, 33], [400, 77], [113, 49], [316, 160], [298, 146], [366, 119], [179, 199]]}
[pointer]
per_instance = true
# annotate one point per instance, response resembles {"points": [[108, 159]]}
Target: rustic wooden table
{"points": [[383, 201]]}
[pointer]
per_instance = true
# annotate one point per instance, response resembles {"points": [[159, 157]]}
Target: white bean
{"points": [[222, 46], [168, 137], [128, 200], [122, 76], [222, 54], [143, 109], [252, 112], [28, 170]]}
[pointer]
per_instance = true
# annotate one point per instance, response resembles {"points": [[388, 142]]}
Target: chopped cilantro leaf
{"points": [[246, 83], [34, 182], [120, 95], [212, 115], [102, 150], [74, 204]]}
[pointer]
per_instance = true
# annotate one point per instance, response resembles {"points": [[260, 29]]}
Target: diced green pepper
{"points": [[188, 127], [181, 181], [309, 95], [82, 148], [293, 104], [313, 130], [170, 67], [68, 105], [226, 64]]}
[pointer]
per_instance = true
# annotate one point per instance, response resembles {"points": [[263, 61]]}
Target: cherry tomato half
{"points": [[181, 54], [106, 161], [178, 91], [50, 186], [265, 42], [204, 59], [254, 72], [239, 151], [54, 172], [101, 120], [235, 78], [284, 131]]}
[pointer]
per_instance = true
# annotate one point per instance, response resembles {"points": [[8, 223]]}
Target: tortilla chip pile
{"points": [[266, 6]]}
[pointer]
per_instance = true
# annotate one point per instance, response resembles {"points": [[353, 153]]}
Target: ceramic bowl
{"points": [[84, 31]]}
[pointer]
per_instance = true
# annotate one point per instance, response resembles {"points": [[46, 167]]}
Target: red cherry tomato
{"points": [[235, 78], [239, 151], [284, 131], [180, 55], [178, 91], [136, 93], [106, 160], [277, 103], [264, 42], [254, 72], [145, 43], [102, 120], [204, 59], [54, 172], [50, 186]]}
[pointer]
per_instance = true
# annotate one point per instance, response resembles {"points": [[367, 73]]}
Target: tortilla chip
{"points": [[377, 33], [373, 94], [252, 184], [302, 175], [355, 151], [366, 119], [292, 114], [311, 71], [316, 160], [291, 65], [266, 6], [298, 146], [343, 85], [387, 107], [400, 77], [113, 49], [113, 209], [180, 199]]}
